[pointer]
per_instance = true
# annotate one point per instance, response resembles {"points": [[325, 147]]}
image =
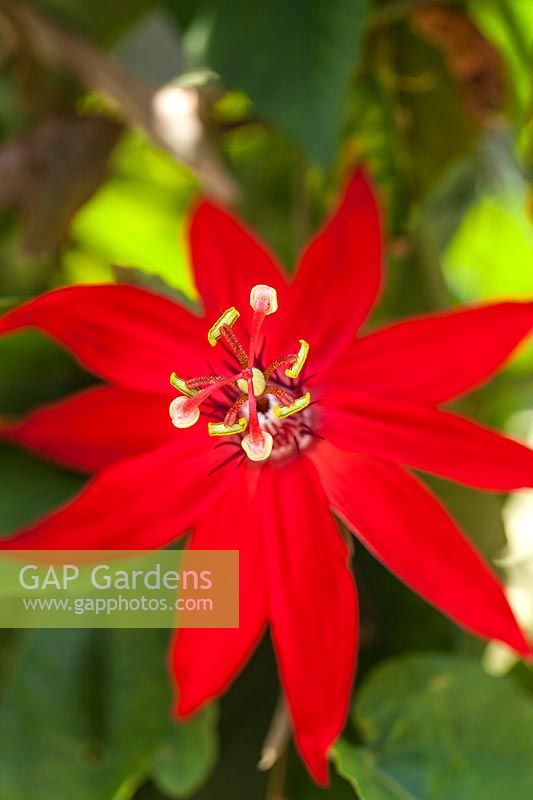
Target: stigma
{"points": [[263, 405]]}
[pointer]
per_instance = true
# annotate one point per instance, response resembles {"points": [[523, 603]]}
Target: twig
{"points": [[276, 782], [277, 738]]}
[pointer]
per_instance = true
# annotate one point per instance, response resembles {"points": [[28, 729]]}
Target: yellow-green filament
{"points": [[229, 317], [298, 405], [296, 368]]}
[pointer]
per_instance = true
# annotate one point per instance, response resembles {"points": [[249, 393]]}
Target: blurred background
{"points": [[113, 117]]}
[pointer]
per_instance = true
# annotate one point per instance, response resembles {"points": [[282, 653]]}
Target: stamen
{"points": [[185, 411], [203, 381], [301, 358], [278, 363], [228, 318], [297, 405], [234, 409], [234, 345]]}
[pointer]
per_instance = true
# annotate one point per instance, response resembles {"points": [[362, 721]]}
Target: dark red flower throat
{"points": [[254, 403]]}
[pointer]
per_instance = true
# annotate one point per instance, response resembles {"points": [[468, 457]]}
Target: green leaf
{"points": [[362, 771], [153, 283], [293, 59], [438, 727], [186, 756], [35, 370], [30, 488], [89, 712]]}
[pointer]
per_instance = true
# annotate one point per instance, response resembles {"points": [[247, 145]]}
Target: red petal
{"points": [[228, 260], [405, 527], [140, 503], [312, 607], [127, 335], [204, 661], [427, 439], [90, 430], [338, 279], [434, 358]]}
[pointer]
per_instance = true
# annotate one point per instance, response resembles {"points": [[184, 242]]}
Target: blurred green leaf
{"points": [[89, 712], [293, 59], [153, 283], [438, 727], [31, 488], [365, 776], [138, 217], [35, 370], [100, 20], [426, 101], [372, 130], [509, 25], [491, 254], [184, 757]]}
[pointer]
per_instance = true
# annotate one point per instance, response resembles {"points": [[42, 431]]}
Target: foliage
{"points": [[438, 726]]}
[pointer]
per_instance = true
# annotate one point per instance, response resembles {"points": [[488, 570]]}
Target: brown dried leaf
{"points": [[471, 58], [48, 174]]}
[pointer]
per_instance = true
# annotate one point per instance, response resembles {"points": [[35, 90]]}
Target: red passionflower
{"points": [[367, 409]]}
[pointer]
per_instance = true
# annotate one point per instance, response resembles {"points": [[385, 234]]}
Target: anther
{"points": [[181, 385], [221, 429], [227, 319], [301, 357], [297, 405]]}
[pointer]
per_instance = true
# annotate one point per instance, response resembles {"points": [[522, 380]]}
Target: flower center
{"points": [[268, 412]]}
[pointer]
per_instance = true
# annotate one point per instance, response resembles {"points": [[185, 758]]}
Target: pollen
{"points": [[260, 406]]}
